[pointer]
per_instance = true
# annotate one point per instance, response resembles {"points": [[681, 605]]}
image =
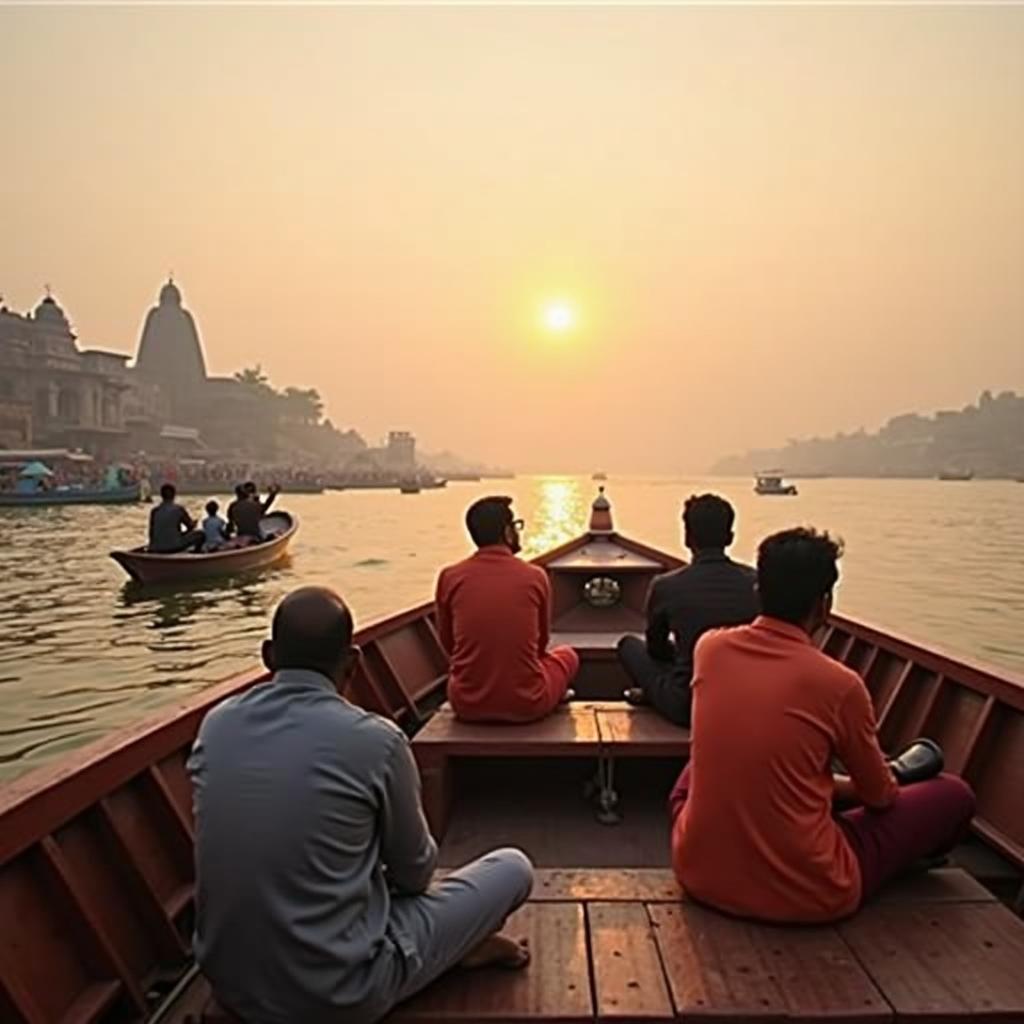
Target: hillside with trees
{"points": [[985, 438]]}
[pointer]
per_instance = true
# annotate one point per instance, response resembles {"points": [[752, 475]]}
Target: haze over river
{"points": [[82, 652]]}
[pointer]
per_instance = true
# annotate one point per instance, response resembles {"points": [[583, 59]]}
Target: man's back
{"points": [[756, 835], [245, 515], [713, 591], [166, 521], [493, 613], [301, 798]]}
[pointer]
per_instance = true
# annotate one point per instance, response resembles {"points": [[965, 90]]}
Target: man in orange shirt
{"points": [[754, 830], [494, 617]]}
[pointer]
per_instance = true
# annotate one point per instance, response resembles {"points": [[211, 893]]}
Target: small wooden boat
{"points": [[277, 527], [770, 482], [957, 474], [73, 496], [96, 865], [409, 488]]}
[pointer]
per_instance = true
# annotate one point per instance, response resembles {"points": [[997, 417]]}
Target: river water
{"points": [[82, 652]]}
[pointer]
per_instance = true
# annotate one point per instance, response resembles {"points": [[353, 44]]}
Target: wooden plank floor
{"points": [[624, 947]]}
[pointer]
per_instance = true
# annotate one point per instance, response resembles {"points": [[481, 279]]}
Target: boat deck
{"points": [[622, 946]]}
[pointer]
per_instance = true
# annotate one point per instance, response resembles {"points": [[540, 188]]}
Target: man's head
{"points": [[312, 629], [240, 492], [212, 508], [167, 492], [708, 520], [796, 573], [250, 489], [490, 521]]}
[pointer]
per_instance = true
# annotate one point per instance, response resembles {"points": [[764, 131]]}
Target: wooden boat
{"points": [[73, 496], [770, 482], [956, 474], [96, 869], [278, 529], [409, 488]]}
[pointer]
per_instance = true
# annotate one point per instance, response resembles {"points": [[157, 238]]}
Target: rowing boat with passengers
{"points": [[96, 867]]}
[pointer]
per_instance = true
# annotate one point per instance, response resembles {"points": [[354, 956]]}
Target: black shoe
{"points": [[919, 761], [635, 696]]}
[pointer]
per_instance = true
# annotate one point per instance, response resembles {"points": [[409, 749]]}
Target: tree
{"points": [[302, 405], [255, 379]]}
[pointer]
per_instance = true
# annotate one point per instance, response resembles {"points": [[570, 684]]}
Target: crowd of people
{"points": [[317, 893], [220, 477], [173, 530]]}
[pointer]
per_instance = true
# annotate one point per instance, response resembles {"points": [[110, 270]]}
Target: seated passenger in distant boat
{"points": [[246, 512], [494, 620], [315, 895], [171, 528], [755, 832], [215, 528], [711, 591]]}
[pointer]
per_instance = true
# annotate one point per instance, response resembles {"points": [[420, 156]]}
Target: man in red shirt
{"points": [[494, 620], [754, 831]]}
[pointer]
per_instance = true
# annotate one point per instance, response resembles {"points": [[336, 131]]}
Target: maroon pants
{"points": [[928, 818]]}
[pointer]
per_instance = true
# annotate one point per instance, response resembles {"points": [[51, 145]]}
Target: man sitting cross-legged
{"points": [[755, 831], [494, 620], [315, 899], [682, 605]]}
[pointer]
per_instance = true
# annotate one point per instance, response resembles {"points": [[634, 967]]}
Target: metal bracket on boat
{"points": [[602, 786]]}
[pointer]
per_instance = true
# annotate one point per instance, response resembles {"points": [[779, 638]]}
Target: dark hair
{"points": [[211, 508], [795, 569], [240, 491], [488, 518], [168, 491], [312, 629], [708, 519], [249, 487]]}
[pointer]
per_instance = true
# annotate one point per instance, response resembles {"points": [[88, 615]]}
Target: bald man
{"points": [[314, 863]]}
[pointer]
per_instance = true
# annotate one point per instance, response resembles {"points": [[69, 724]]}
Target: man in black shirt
{"points": [[247, 511], [710, 592], [171, 528]]}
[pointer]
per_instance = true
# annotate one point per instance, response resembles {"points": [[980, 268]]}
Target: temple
{"points": [[54, 393], [170, 353]]}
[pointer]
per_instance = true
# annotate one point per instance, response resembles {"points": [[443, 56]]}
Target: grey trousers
{"points": [[433, 932]]}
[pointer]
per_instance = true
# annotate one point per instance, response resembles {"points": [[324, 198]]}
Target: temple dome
{"points": [[170, 354], [48, 310], [170, 294]]}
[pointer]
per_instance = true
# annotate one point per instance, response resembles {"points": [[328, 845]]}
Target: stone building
{"points": [[52, 392]]}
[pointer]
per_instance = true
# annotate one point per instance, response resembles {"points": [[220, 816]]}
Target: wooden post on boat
{"points": [[601, 514]]}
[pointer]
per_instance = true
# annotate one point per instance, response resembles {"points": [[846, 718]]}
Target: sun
{"points": [[559, 317]]}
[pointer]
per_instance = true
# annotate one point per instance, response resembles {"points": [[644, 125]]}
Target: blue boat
{"points": [[72, 496]]}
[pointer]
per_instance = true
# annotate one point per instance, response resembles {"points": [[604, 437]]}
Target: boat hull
{"points": [[144, 567], [115, 496]]}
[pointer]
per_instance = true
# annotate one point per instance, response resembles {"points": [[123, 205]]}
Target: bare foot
{"points": [[498, 951]]}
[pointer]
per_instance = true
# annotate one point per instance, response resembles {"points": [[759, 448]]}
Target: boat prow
{"points": [[143, 566]]}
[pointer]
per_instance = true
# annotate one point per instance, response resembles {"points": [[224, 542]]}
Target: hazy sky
{"points": [[771, 222]]}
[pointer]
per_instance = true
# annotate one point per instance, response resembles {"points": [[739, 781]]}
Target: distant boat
{"points": [[72, 496], [599, 476], [957, 474], [277, 528], [409, 488], [770, 482]]}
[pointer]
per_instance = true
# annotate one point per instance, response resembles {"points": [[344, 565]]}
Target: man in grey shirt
{"points": [[314, 862]]}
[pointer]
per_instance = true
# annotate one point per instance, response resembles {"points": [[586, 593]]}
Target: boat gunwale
{"points": [[1004, 684]]}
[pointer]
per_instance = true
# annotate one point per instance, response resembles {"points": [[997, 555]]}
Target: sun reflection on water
{"points": [[560, 515]]}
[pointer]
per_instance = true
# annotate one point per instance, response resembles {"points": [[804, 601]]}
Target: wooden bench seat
{"points": [[625, 946], [598, 729]]}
